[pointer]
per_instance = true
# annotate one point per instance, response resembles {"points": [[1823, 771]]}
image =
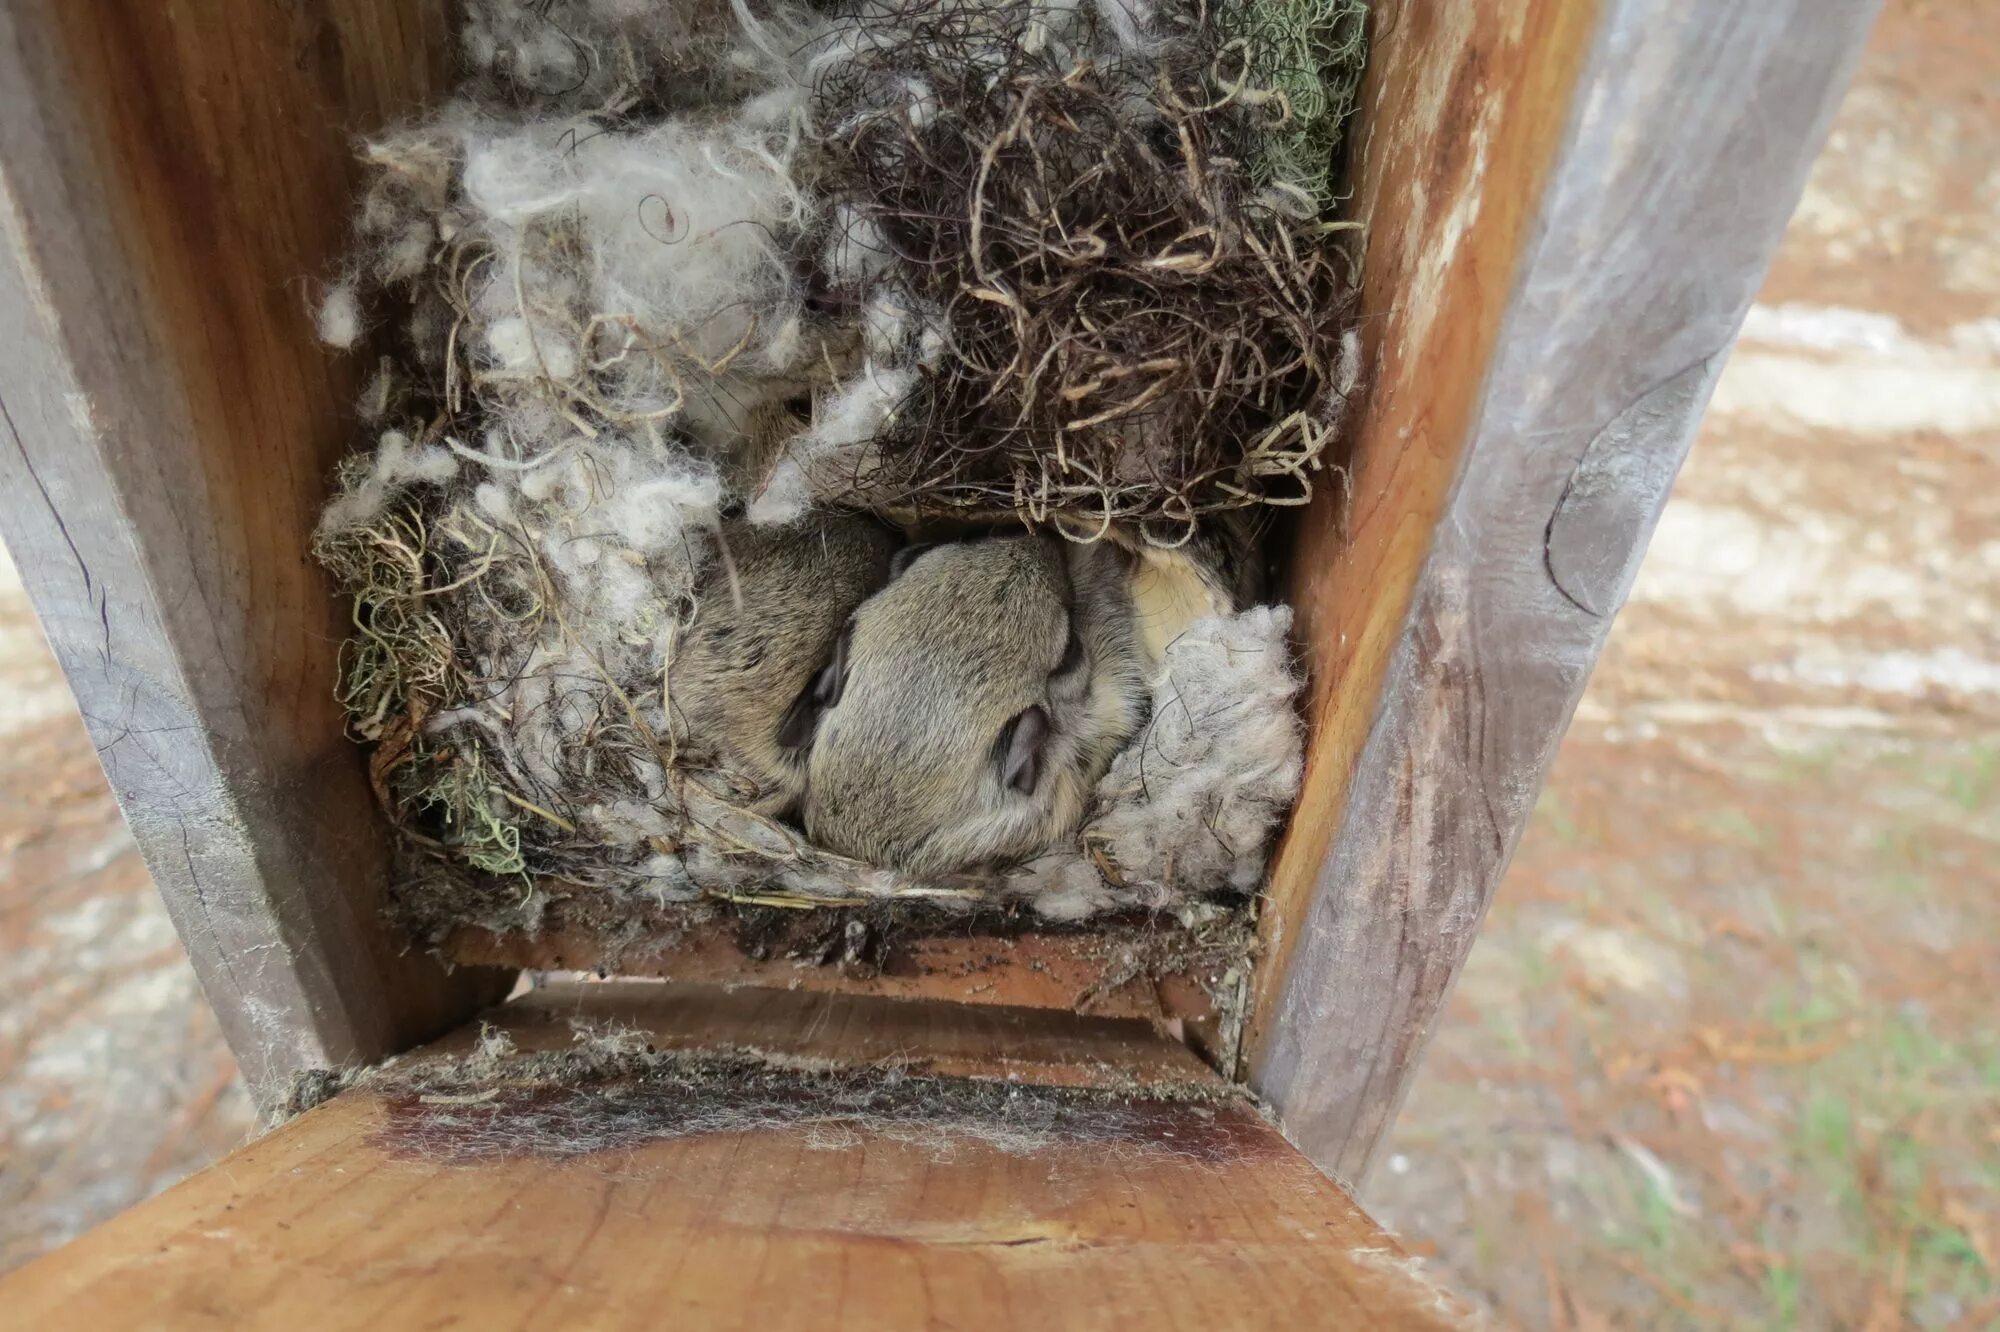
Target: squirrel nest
{"points": [[659, 263]]}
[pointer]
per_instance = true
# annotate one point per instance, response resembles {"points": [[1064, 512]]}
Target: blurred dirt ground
{"points": [[114, 1081], [1726, 1054]]}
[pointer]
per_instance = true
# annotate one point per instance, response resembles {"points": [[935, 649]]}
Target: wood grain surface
{"points": [[1458, 118], [1586, 304], [1104, 974], [1045, 1047], [481, 1209], [173, 173]]}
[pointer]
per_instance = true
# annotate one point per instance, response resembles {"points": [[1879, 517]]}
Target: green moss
{"points": [[465, 801], [400, 649], [1312, 52]]}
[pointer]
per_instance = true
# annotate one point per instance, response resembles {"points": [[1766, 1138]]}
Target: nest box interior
{"points": [[235, 177], [1070, 268]]}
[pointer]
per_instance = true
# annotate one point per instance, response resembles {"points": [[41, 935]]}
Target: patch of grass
{"points": [[1782, 1285], [1816, 764], [1483, 1246], [1908, 848], [1732, 825], [1826, 1128], [1904, 1161], [1906, 885], [1641, 1220], [1788, 1010], [1662, 1223], [1973, 781], [1949, 1246], [1914, 1051], [1503, 1024], [1946, 1260]]}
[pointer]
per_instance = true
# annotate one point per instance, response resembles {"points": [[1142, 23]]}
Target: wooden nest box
{"points": [[1567, 207]]}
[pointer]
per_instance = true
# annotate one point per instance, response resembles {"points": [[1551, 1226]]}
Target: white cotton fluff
{"points": [[900, 329], [339, 317], [397, 465], [1196, 799], [557, 694], [520, 347], [376, 396], [619, 530], [1194, 802], [623, 529], [680, 222], [647, 272], [834, 459], [405, 257], [1130, 22], [857, 251]]}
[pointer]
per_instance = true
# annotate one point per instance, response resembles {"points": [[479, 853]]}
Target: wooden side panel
{"points": [[725, 1209], [172, 173], [1682, 151], [1458, 118]]}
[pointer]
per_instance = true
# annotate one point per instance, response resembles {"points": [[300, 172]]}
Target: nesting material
{"points": [[1194, 799], [1110, 316], [610, 56], [1310, 53], [663, 264]]}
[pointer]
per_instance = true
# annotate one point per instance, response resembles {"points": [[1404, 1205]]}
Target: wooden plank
{"points": [[1046, 1047], [1684, 141], [1457, 120], [715, 1209], [171, 174], [1098, 973]]}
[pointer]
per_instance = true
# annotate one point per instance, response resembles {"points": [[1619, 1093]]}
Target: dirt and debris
{"points": [[613, 1090]]}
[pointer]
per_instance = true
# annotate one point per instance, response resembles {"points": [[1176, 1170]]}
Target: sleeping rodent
{"points": [[978, 700], [769, 615]]}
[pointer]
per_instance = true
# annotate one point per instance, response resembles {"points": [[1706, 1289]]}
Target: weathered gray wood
{"points": [[1686, 144], [170, 173]]}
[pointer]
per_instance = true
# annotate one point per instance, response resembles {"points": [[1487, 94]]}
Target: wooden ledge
{"points": [[1046, 1047], [698, 1206]]}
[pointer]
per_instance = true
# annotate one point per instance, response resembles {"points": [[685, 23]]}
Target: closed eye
{"points": [[1019, 749], [801, 719]]}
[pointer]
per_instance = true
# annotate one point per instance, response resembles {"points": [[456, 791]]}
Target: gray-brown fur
{"points": [[771, 609], [908, 767]]}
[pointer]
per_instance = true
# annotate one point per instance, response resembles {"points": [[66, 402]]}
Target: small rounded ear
{"points": [[907, 556], [1021, 750], [801, 719]]}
